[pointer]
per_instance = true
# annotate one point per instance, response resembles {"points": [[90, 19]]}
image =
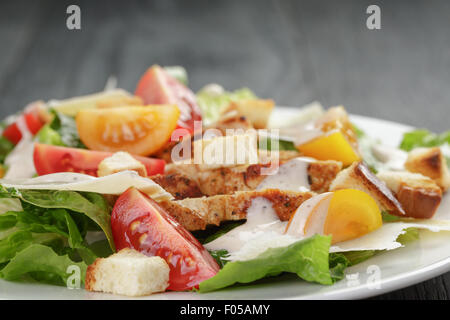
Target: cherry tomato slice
{"points": [[34, 124], [51, 159], [138, 222], [156, 86]]}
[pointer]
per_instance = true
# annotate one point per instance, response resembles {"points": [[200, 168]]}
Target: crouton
{"points": [[358, 176], [128, 273], [257, 111], [120, 161], [431, 163], [226, 150], [419, 195]]}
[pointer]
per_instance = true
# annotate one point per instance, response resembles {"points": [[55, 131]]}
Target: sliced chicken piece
{"points": [[196, 214], [178, 185], [231, 120], [228, 180]]}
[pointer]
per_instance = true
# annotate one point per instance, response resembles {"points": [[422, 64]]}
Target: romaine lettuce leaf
{"points": [[6, 147], [220, 256], [355, 257], [308, 258], [423, 138], [54, 225], [41, 263], [62, 131], [49, 136], [338, 262], [387, 217], [410, 235], [282, 145], [92, 205], [213, 232], [178, 72]]}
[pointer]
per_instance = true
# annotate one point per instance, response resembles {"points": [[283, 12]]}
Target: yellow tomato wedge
{"points": [[139, 130], [332, 146], [351, 214]]}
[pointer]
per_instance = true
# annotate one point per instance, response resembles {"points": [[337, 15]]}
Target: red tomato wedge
{"points": [[33, 122], [51, 159], [156, 86], [138, 222]]}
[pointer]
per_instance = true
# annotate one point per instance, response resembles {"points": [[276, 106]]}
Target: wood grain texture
{"points": [[292, 51]]}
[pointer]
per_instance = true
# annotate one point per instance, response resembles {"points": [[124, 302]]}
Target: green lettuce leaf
{"points": [[93, 205], [387, 217], [9, 204], [42, 264], [308, 258], [213, 103], [410, 235], [49, 136], [178, 72], [266, 144], [220, 256], [213, 232], [62, 131], [423, 138], [338, 262], [6, 147], [53, 225], [355, 257]]}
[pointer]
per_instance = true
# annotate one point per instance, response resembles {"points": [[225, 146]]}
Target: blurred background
{"points": [[292, 51]]}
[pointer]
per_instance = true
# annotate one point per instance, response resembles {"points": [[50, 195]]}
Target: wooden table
{"points": [[292, 51]]}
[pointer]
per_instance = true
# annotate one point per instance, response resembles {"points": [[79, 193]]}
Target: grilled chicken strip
{"points": [[178, 185], [228, 180], [196, 214]]}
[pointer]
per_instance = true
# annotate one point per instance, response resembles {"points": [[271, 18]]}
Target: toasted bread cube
{"points": [[128, 273], [358, 176], [120, 161], [419, 195], [431, 163], [257, 111], [225, 151]]}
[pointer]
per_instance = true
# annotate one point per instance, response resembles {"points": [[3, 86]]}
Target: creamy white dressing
{"points": [[305, 114], [213, 89], [291, 176], [391, 158], [20, 161], [262, 222], [114, 184], [303, 134], [445, 149]]}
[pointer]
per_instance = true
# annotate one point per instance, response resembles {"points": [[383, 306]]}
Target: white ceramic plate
{"points": [[418, 261]]}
